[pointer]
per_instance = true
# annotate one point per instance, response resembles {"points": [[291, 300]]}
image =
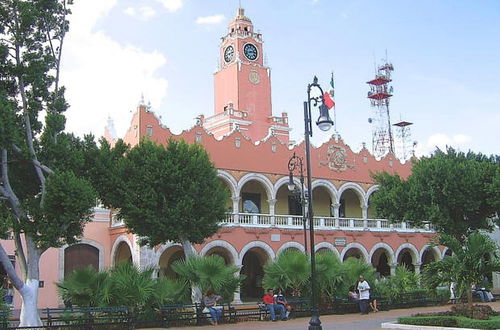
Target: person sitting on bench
{"points": [[272, 306]]}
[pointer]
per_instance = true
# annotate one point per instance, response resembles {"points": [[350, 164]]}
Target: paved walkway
{"points": [[340, 322]]}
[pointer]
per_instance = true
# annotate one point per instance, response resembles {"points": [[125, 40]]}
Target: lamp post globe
{"points": [[324, 121]]}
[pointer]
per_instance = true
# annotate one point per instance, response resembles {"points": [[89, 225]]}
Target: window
{"points": [[149, 130], [79, 256], [251, 202]]}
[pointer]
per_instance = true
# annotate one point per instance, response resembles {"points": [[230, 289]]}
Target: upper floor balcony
{"points": [[256, 201]]}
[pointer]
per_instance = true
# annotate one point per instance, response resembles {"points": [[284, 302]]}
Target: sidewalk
{"points": [[340, 322]]}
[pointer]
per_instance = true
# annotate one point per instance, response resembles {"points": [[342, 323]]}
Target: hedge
{"points": [[452, 321]]}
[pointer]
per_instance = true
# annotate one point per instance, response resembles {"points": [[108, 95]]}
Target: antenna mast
{"points": [[379, 95], [404, 139]]}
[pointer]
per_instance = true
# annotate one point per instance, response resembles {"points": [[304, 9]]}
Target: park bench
{"points": [[345, 306], [89, 317], [192, 314], [300, 307]]}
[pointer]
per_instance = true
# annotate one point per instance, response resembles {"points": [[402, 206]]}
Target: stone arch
{"points": [[284, 181], [230, 180], [328, 246], [446, 252], [259, 244], [381, 257], [224, 245], [385, 246], [114, 250], [371, 190], [290, 245], [172, 252], [414, 254], [268, 186], [356, 188], [434, 250], [369, 193], [330, 187], [354, 245], [253, 257], [83, 240]]}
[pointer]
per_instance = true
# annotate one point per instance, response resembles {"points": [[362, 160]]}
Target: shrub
{"points": [[479, 312], [443, 321], [451, 321]]}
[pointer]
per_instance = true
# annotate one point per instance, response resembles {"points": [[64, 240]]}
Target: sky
{"points": [[446, 56]]}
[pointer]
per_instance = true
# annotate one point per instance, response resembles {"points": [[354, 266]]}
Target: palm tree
{"points": [[129, 286], [403, 281], [330, 274], [83, 287], [290, 270], [466, 266], [209, 273], [353, 269]]}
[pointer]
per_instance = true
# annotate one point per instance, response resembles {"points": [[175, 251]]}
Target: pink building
{"points": [[250, 147]]}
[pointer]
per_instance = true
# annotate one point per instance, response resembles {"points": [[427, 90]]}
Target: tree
{"points": [[43, 200], [456, 192], [466, 266], [162, 193], [290, 270], [210, 273]]}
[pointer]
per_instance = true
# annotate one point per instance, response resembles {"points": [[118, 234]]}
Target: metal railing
{"points": [[322, 223]]}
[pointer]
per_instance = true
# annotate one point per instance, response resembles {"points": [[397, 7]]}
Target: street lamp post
{"points": [[324, 123], [294, 164]]}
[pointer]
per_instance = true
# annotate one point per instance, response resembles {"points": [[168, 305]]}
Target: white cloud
{"points": [[143, 13], [147, 12], [103, 77], [130, 12], [214, 19], [441, 141], [171, 5]]}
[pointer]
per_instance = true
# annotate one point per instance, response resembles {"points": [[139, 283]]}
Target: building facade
{"points": [[250, 148]]}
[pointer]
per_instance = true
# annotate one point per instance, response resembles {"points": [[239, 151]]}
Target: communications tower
{"points": [[404, 139], [380, 94]]}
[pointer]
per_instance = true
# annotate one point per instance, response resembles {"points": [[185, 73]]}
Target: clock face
{"points": [[229, 54], [250, 51]]}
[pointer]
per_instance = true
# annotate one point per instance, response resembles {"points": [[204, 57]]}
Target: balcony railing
{"points": [[320, 223]]}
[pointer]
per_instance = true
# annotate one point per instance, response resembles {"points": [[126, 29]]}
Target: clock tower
{"points": [[243, 87]]}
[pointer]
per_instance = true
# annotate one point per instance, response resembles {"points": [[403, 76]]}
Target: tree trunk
{"points": [[29, 310], [29, 292], [469, 298], [196, 294]]}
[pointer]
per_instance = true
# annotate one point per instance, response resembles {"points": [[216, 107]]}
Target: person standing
{"points": [[364, 294]]}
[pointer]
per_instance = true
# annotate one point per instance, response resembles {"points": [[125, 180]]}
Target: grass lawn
{"points": [[452, 321]]}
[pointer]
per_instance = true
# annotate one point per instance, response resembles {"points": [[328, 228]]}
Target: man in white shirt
{"points": [[364, 294]]}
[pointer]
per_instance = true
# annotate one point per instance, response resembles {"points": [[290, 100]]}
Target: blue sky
{"points": [[446, 56]]}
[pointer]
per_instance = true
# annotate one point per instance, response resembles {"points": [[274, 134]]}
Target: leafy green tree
{"points": [[210, 273], [162, 193], [466, 266], [290, 270], [456, 192], [44, 202]]}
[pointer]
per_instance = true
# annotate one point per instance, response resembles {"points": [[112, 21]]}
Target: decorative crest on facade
{"points": [[336, 159]]}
